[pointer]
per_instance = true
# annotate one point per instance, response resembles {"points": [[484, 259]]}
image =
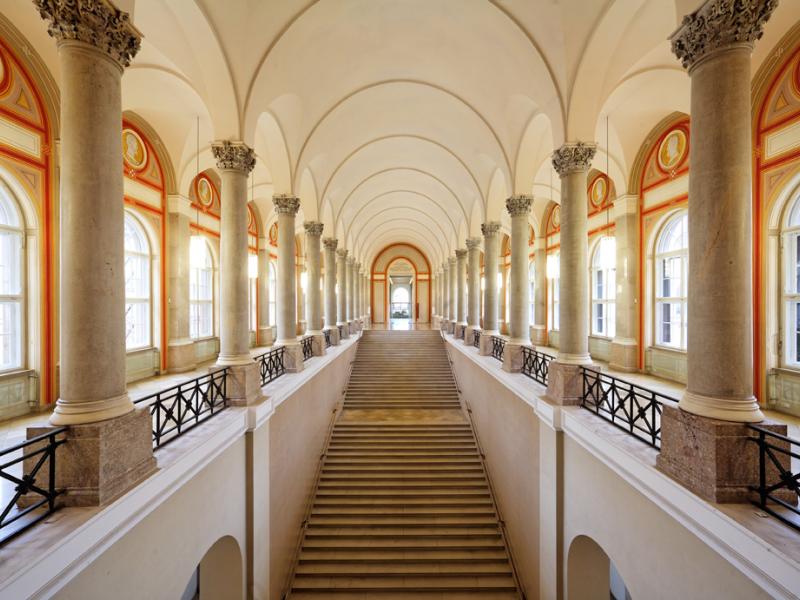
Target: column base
{"points": [[485, 348], [725, 409], [712, 458], [243, 384], [318, 343], [266, 336], [100, 461], [469, 335], [450, 327], [564, 383], [293, 357], [538, 335], [512, 357], [180, 356], [624, 355], [345, 331], [334, 333], [458, 328], [80, 413]]}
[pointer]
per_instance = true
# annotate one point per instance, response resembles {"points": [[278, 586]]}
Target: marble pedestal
{"points": [[564, 383], [243, 384], [318, 344], [180, 356], [293, 358], [100, 461], [469, 335], [513, 357], [458, 328], [713, 458], [485, 348], [624, 355], [334, 333], [450, 326]]}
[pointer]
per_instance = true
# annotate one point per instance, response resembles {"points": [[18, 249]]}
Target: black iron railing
{"points": [[498, 347], [630, 407], [462, 332], [308, 347], [341, 331], [778, 486], [271, 364], [535, 364], [179, 408], [476, 339], [30, 466], [327, 334]]}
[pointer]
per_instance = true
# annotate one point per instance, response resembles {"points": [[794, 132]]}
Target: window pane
{"points": [[137, 325], [10, 263], [10, 335]]}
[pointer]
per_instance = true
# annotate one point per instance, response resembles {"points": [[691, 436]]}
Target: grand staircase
{"points": [[402, 507]]}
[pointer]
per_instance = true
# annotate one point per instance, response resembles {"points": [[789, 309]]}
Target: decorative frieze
{"points": [[490, 229], [313, 228], [719, 24], [573, 158], [235, 156], [95, 22], [519, 205], [286, 204]]}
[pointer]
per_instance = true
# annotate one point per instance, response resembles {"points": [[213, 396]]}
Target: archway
{"points": [[220, 573], [401, 276], [410, 268], [591, 575]]}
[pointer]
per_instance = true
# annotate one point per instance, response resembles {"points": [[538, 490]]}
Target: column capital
{"points": [[351, 260], [95, 22], [358, 266], [233, 156], [330, 243], [313, 228], [461, 253], [490, 229], [573, 157], [451, 261], [717, 25], [444, 266], [342, 253], [519, 205], [473, 243], [286, 204]]}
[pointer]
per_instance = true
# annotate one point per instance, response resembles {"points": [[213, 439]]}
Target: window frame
{"points": [[608, 301], [790, 299], [532, 290], [658, 275], [146, 257], [19, 299], [554, 295], [194, 285]]}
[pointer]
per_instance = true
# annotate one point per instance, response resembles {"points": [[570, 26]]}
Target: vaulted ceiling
{"points": [[403, 120]]}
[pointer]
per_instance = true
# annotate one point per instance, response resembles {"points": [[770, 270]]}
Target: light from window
{"points": [[272, 292], [253, 304], [138, 322], [11, 285], [554, 274], [672, 261], [604, 287], [201, 290], [532, 290], [791, 288]]}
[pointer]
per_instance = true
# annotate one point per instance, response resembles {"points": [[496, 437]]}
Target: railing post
{"points": [[762, 468]]}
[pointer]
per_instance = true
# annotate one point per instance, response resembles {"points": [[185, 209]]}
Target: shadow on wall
{"points": [[220, 573], [590, 573]]}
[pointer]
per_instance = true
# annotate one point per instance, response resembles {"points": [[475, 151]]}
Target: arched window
{"points": [[532, 291], [273, 278], [671, 271], [791, 287], [201, 289], [554, 276], [507, 292], [604, 286], [400, 296], [138, 305], [12, 304]]}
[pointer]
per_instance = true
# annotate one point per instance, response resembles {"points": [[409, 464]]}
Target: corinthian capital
{"points": [[313, 227], [342, 253], [234, 155], [719, 24], [573, 158], [286, 204], [461, 254], [473, 243], [519, 205], [330, 243], [95, 22], [490, 229]]}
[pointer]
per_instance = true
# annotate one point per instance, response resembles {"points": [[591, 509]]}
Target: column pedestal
{"points": [[469, 335], [564, 384], [243, 384], [318, 344], [624, 355], [334, 333], [180, 355], [512, 356], [486, 342], [293, 358]]}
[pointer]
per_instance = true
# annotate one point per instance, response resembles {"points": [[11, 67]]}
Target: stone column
{"points": [[461, 291], [341, 278], [452, 280], [349, 267], [180, 346], [313, 295], [110, 443], [442, 281], [624, 347], [473, 290], [491, 255], [701, 446], [572, 161], [357, 295], [330, 289], [445, 296], [519, 207], [265, 334], [286, 207], [539, 327]]}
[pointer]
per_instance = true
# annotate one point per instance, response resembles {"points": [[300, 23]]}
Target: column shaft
{"points": [[313, 296], [491, 247], [474, 282], [453, 281], [519, 207], [341, 278], [540, 291], [286, 293], [624, 347], [330, 283], [265, 336], [180, 347]]}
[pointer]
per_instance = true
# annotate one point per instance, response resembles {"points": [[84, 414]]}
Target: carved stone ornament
{"points": [[351, 260], [473, 243], [341, 253], [461, 253], [519, 205], [573, 158], [234, 155], [313, 227], [720, 24], [95, 22], [451, 261], [286, 204], [490, 229], [330, 243]]}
